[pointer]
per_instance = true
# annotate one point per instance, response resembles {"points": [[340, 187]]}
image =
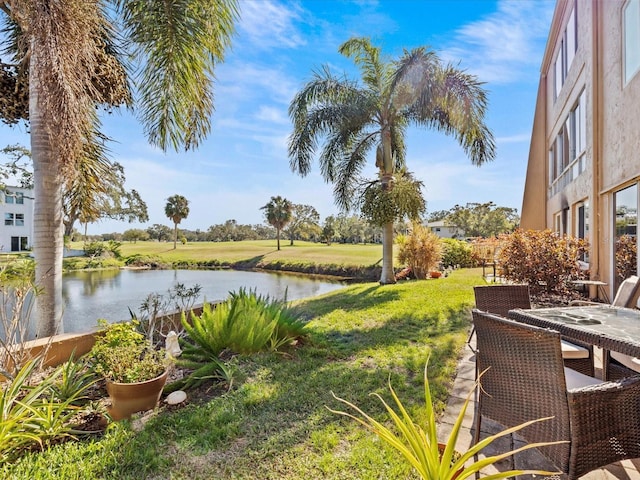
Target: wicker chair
{"points": [[524, 380], [499, 299]]}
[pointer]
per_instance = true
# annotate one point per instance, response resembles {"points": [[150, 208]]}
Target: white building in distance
{"points": [[16, 209]]}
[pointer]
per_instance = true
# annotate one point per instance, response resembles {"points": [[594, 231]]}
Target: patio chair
{"points": [[499, 299], [621, 365], [625, 295], [524, 379]]}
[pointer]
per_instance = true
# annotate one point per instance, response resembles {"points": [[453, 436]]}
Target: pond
{"points": [[109, 294]]}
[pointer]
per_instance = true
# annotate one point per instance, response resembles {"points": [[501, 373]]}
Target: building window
{"points": [[582, 224], [631, 42], [566, 52], [19, 219], [8, 197], [626, 238], [567, 152], [8, 218], [19, 198]]}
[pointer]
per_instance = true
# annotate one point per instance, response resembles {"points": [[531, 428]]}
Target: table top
{"points": [[589, 282], [611, 328]]}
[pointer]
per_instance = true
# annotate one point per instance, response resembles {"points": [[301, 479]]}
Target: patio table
{"points": [[609, 328]]}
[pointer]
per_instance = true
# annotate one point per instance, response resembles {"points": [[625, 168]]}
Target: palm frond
{"points": [[414, 77], [178, 44], [324, 106], [350, 167], [455, 103], [376, 73]]}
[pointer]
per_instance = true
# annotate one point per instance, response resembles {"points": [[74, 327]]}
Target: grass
{"points": [[275, 423], [264, 250]]}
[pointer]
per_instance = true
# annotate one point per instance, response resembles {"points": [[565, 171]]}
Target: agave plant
{"points": [[420, 447]]}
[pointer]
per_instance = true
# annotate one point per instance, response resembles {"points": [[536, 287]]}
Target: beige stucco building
{"points": [[584, 160]]}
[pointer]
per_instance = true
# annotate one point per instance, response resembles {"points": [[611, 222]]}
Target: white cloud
{"points": [[518, 138], [267, 24], [238, 81], [272, 115], [505, 46]]}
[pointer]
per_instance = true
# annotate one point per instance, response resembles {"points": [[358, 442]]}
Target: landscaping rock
{"points": [[175, 398]]}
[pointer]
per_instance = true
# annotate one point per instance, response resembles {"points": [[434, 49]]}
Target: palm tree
{"points": [[65, 61], [278, 213], [352, 119], [176, 209]]}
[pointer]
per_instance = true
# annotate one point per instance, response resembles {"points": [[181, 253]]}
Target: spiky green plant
{"points": [[420, 446], [73, 381], [30, 415]]}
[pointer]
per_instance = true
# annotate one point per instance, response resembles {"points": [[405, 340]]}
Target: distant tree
{"points": [[176, 209], [328, 229], [483, 219], [18, 168], [159, 232], [278, 213], [98, 192], [343, 120], [304, 219], [437, 215], [135, 234]]}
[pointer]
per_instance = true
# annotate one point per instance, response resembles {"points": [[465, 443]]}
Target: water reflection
{"points": [[109, 294]]}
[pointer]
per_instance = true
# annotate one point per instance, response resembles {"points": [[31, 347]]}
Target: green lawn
{"points": [[274, 423], [302, 252]]}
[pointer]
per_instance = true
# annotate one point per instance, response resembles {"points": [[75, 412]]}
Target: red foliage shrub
{"points": [[544, 259]]}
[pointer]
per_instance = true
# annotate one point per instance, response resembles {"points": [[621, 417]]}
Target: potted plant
{"points": [[135, 372], [435, 274], [420, 447]]}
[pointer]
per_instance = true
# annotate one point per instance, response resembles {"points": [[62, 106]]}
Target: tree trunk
{"points": [[278, 237], [175, 235], [387, 276], [48, 242]]}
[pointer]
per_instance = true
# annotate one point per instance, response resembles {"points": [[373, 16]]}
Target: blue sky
{"points": [[277, 46]]}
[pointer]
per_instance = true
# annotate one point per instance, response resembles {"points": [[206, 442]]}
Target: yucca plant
{"points": [[420, 447], [30, 416], [73, 382]]}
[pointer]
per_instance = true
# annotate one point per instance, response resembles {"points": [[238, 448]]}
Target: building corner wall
{"points": [[534, 198]]}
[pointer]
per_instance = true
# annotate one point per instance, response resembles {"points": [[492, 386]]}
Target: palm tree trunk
{"points": [[278, 237], [175, 235], [48, 242], [387, 276]]}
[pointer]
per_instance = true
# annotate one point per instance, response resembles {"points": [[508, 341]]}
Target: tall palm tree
{"points": [[176, 209], [278, 213], [66, 61], [348, 120]]}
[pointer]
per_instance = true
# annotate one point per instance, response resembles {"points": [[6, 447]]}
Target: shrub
{"points": [[456, 253], [245, 323], [29, 416], [421, 250], [123, 355], [17, 298], [95, 249], [626, 257], [543, 259]]}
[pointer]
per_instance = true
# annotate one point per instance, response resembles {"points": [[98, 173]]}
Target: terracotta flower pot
{"points": [[129, 398]]}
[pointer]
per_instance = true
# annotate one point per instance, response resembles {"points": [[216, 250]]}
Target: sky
{"points": [[277, 46]]}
